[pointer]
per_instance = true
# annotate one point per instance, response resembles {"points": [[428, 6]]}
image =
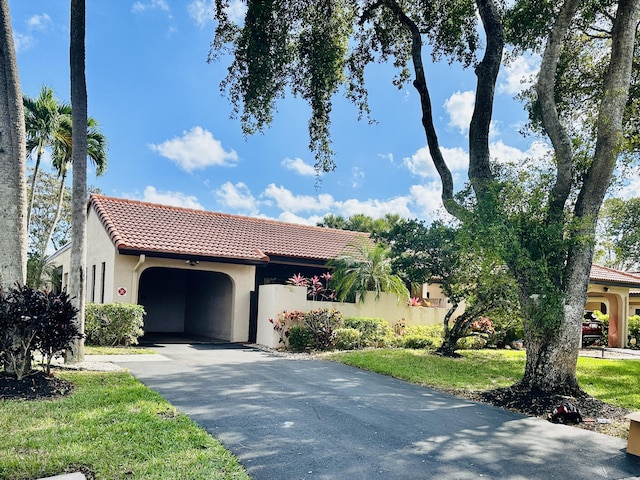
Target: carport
{"points": [[191, 302]]}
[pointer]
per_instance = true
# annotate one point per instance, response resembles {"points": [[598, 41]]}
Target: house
{"points": [[615, 293], [195, 272], [222, 276]]}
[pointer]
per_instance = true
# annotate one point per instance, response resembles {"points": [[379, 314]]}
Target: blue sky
{"points": [[171, 139]]}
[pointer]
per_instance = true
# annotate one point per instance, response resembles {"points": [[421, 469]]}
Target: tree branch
{"points": [[420, 84], [545, 88], [487, 72]]}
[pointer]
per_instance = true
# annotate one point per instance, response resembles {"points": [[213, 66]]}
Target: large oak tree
{"points": [[313, 49]]}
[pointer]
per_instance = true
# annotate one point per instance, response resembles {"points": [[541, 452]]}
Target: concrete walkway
{"points": [[288, 418]]}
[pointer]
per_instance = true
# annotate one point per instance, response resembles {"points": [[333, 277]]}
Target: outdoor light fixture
{"points": [[193, 263]]}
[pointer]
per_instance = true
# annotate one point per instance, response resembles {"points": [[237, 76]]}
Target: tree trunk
{"points": [[13, 229], [552, 359], [79, 161]]}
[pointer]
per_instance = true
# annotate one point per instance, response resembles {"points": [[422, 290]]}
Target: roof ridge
{"points": [[99, 196]]}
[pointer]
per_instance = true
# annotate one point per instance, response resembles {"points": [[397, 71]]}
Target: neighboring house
{"points": [[617, 294], [194, 271]]}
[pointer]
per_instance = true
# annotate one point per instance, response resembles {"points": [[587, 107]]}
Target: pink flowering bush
{"points": [[315, 329], [317, 286]]}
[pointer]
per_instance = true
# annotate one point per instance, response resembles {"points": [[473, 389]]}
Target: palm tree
{"points": [[79, 161], [42, 118], [365, 267], [13, 231], [62, 159]]}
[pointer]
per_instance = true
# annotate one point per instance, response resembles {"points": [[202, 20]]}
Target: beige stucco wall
{"points": [[616, 300], [122, 275], [274, 299]]}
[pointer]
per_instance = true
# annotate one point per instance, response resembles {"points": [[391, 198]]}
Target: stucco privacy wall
{"points": [[274, 299]]}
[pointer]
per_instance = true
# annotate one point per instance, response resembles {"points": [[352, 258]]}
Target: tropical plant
{"points": [[42, 119], [317, 286], [365, 267]]}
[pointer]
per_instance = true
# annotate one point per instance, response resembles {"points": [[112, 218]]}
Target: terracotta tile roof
{"points": [[141, 227], [612, 276]]}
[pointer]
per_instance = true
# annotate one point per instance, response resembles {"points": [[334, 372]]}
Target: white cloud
{"points": [[39, 22], [505, 154], [176, 199], [631, 189], [421, 165], [299, 166], [428, 199], [237, 197], [287, 201], [196, 149], [518, 74], [293, 218], [373, 207], [357, 177], [202, 11], [139, 7], [386, 156], [459, 107], [23, 42]]}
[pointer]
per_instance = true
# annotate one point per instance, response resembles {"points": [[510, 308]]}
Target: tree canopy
{"points": [[314, 49]]}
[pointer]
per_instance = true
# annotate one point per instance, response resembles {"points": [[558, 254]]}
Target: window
{"points": [[93, 283], [102, 274]]}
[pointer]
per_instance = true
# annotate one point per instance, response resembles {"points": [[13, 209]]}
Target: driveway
{"points": [[287, 418]]}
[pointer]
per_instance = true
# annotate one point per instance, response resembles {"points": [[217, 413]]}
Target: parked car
{"points": [[592, 329]]}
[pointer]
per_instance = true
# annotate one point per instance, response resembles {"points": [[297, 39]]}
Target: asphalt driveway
{"points": [[310, 419]]}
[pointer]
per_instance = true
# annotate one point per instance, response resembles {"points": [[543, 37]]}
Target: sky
{"points": [[172, 139]]}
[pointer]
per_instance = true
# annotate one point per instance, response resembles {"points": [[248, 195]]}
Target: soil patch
{"points": [[37, 386]]}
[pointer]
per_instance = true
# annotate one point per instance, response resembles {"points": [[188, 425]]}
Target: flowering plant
{"points": [[317, 286], [285, 321]]}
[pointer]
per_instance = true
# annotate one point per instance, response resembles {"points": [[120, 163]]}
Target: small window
{"points": [[93, 283], [102, 274]]}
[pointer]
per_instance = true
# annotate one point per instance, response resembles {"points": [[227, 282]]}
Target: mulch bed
{"points": [[37, 386]]}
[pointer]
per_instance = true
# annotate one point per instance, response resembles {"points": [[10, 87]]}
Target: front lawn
{"points": [[612, 381], [111, 426]]}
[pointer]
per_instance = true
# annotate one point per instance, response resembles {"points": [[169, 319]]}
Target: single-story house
{"points": [[195, 272], [201, 273]]}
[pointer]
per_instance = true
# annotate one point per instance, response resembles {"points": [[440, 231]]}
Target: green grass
{"points": [[612, 381], [96, 350], [115, 426]]}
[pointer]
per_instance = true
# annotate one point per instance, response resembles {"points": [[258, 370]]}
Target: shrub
{"points": [[374, 331], [59, 328], [299, 338], [112, 324], [348, 338], [322, 324], [415, 341], [33, 320], [634, 328], [419, 336], [472, 342]]}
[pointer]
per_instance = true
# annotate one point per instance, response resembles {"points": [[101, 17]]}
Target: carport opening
{"points": [[187, 302]]}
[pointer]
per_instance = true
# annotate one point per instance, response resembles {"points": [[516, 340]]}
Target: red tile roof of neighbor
{"points": [[141, 227], [612, 276]]}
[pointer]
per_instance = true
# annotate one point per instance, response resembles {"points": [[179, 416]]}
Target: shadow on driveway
{"points": [[287, 418]]}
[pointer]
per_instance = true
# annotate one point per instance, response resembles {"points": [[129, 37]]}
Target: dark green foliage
{"points": [[112, 324], [374, 332], [299, 338], [416, 342], [34, 320]]}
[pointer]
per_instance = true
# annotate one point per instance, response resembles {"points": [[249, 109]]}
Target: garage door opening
{"points": [[188, 302]]}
